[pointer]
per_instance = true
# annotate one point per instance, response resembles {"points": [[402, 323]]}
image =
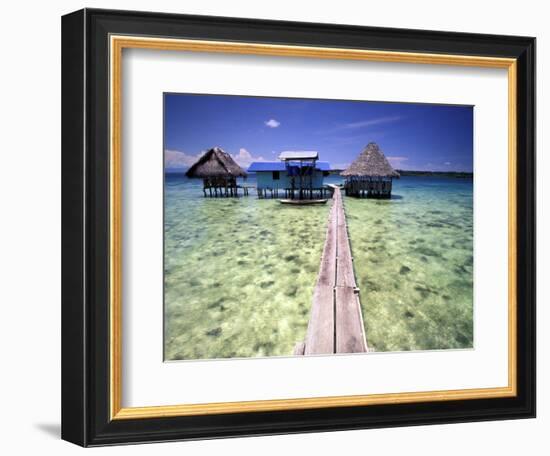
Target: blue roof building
{"points": [[280, 166], [303, 175]]}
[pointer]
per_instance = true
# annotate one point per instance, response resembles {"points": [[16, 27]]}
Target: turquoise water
{"points": [[413, 260], [239, 273]]}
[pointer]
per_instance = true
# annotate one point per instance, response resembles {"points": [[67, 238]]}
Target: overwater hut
{"points": [[370, 175], [298, 175], [219, 173]]}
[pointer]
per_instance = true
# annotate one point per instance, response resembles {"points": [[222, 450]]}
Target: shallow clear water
{"points": [[413, 260], [239, 273]]}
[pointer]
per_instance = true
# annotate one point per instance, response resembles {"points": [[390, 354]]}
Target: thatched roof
{"points": [[215, 163], [370, 163]]}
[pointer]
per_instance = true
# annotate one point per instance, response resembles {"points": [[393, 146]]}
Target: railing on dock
{"points": [[293, 193]]}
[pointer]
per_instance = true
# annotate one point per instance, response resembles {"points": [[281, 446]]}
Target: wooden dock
{"points": [[336, 321]]}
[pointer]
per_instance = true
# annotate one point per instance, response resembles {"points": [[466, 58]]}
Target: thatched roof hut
{"points": [[218, 171], [215, 163], [370, 174], [370, 163]]}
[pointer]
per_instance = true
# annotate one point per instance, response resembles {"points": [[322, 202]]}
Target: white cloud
{"points": [[448, 163], [371, 122], [245, 158], [397, 161], [272, 123], [365, 123], [175, 159]]}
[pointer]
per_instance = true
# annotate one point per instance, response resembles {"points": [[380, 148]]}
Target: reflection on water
{"points": [[239, 273]]}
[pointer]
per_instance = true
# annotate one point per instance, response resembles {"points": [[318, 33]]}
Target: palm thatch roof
{"points": [[215, 163], [370, 163]]}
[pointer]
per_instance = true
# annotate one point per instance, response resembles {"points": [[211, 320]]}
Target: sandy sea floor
{"points": [[413, 260], [239, 273]]}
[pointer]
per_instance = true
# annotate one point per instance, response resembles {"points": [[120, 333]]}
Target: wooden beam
{"points": [[336, 322], [345, 276], [299, 348], [320, 330], [350, 332]]}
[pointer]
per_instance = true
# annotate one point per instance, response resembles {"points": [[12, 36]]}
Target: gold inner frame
{"points": [[117, 44]]}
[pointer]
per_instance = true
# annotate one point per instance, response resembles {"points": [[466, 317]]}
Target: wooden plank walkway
{"points": [[336, 322]]}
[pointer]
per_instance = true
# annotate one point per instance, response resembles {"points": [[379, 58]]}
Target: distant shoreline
{"points": [[455, 174]]}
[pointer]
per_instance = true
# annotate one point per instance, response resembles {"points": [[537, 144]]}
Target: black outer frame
{"points": [[85, 227]]}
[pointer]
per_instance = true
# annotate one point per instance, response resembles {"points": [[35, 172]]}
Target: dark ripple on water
{"points": [[249, 292]]}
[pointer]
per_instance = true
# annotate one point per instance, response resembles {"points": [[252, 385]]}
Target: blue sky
{"points": [[412, 136]]}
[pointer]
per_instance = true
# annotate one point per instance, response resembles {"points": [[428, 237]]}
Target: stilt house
{"points": [[298, 175], [219, 173], [370, 175]]}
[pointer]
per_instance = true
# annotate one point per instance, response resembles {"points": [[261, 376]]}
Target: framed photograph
{"points": [[278, 227]]}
